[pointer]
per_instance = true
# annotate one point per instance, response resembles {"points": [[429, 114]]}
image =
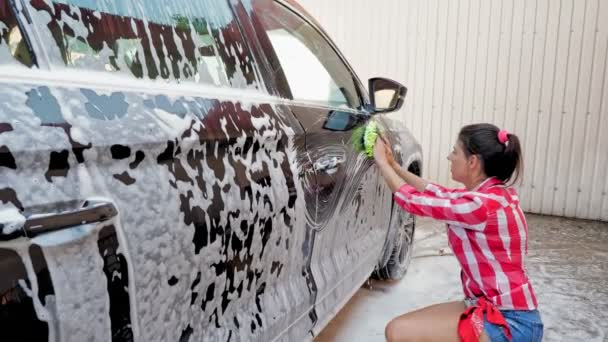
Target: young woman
{"points": [[488, 234]]}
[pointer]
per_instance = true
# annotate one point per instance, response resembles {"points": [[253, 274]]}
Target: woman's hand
{"points": [[383, 153], [390, 158], [392, 172], [380, 152]]}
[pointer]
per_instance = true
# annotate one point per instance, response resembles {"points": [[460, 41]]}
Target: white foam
{"points": [[12, 220]]}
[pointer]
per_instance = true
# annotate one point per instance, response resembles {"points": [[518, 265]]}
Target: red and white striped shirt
{"points": [[489, 236]]}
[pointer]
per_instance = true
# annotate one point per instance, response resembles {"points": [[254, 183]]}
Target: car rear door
{"points": [[148, 130], [350, 223]]}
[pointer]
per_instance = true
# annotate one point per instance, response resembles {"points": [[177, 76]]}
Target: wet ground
{"points": [[567, 264]]}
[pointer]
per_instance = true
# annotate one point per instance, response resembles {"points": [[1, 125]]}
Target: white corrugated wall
{"points": [[534, 67]]}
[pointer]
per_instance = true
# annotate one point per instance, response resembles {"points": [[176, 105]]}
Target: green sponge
{"points": [[364, 138]]}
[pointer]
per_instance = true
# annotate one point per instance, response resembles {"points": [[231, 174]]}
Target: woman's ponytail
{"points": [[514, 155]]}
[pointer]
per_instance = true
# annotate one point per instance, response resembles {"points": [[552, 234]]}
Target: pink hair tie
{"points": [[503, 137]]}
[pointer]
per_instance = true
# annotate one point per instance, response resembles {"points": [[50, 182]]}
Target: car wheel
{"points": [[401, 253]]}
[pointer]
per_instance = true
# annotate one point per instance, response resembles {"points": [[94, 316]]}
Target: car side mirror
{"points": [[386, 95]]}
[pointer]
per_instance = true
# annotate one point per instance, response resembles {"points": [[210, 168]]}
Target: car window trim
{"points": [[251, 36], [253, 51], [19, 15]]}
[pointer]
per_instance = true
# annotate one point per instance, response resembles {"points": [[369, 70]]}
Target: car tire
{"points": [[401, 253]]}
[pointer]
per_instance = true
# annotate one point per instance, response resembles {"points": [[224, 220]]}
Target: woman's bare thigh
{"points": [[434, 323]]}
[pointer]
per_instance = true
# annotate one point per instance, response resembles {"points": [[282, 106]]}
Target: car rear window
{"points": [[178, 40], [13, 45]]}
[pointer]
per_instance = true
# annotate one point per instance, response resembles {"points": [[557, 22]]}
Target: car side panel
{"points": [[211, 210]]}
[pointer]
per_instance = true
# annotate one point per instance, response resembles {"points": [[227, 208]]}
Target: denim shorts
{"points": [[524, 325]]}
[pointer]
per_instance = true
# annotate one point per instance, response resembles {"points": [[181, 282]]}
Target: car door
{"points": [[149, 131], [350, 222]]}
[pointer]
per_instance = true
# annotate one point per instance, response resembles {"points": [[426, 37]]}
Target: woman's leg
{"points": [[434, 323]]}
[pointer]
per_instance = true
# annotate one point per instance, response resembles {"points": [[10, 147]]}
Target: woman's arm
{"points": [[391, 177], [410, 178], [392, 171], [464, 208]]}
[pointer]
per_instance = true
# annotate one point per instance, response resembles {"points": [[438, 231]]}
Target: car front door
{"points": [[349, 223]]}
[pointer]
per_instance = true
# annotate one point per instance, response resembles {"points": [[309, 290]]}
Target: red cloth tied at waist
{"points": [[470, 325]]}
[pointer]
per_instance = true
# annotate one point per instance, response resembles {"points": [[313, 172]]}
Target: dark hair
{"points": [[503, 161]]}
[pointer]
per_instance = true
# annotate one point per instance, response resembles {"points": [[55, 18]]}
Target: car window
{"points": [[13, 46], [313, 69], [178, 40]]}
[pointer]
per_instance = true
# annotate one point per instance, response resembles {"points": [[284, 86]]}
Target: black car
{"points": [[184, 171]]}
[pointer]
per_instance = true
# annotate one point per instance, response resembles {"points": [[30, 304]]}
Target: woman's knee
{"points": [[397, 330], [390, 331]]}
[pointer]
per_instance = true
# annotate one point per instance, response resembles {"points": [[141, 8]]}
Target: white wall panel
{"points": [[537, 68]]}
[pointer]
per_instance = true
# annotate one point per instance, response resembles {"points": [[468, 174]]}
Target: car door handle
{"points": [[92, 212], [328, 164]]}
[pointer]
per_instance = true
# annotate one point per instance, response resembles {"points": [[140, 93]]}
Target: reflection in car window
{"points": [[13, 47], [182, 40], [314, 71]]}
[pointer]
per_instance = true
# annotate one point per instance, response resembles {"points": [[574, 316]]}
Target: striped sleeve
{"points": [[459, 208], [440, 190]]}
